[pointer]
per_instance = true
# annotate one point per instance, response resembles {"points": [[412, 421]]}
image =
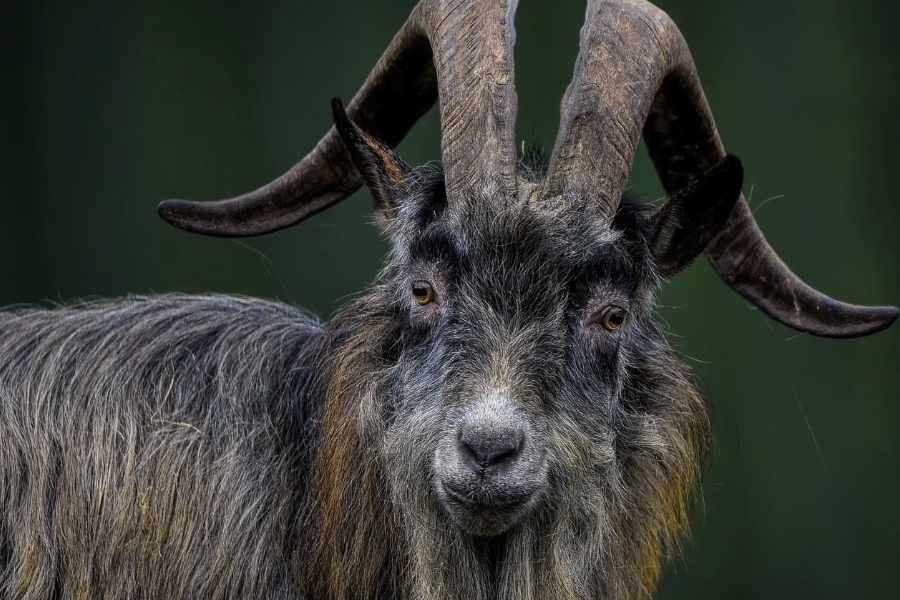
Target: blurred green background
{"points": [[108, 107]]}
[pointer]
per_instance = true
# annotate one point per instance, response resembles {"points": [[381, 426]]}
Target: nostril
{"points": [[484, 449], [499, 454]]}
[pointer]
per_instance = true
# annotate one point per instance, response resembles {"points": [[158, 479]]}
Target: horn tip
{"points": [[886, 316], [183, 214], [857, 321], [173, 212]]}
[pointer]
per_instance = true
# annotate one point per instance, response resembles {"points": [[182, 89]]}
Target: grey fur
{"points": [[153, 448], [217, 447]]}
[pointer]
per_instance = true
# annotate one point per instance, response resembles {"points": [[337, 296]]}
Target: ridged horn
{"points": [[634, 75], [457, 52]]}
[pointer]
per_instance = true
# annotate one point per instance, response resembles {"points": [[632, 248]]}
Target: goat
{"points": [[499, 416]]}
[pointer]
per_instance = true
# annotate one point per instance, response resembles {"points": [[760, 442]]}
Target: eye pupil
{"points": [[612, 318], [422, 292]]}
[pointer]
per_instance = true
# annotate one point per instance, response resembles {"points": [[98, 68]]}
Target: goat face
{"points": [[512, 356], [528, 365], [508, 372]]}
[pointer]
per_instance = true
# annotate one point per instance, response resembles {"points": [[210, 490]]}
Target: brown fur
{"points": [[357, 530]]}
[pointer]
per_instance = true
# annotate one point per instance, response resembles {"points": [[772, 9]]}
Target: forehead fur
{"points": [[524, 238]]}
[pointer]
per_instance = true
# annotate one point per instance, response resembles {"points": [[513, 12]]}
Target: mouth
{"points": [[484, 513], [485, 500]]}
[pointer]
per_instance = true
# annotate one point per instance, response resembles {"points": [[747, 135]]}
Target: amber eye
{"points": [[422, 292], [612, 317]]}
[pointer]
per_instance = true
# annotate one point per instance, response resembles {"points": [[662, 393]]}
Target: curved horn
{"points": [[635, 74], [460, 52]]}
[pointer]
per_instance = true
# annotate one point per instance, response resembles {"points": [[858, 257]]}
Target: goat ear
{"points": [[683, 226], [386, 174]]}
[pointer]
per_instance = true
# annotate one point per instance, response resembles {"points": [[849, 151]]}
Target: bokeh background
{"points": [[108, 107]]}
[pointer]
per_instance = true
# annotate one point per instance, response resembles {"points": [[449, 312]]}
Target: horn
{"points": [[457, 52], [634, 74]]}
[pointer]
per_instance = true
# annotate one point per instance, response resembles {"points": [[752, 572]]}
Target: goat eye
{"points": [[611, 317], [422, 292]]}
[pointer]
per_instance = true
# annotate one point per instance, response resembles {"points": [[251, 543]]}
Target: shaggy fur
{"points": [[154, 448], [626, 430], [217, 447]]}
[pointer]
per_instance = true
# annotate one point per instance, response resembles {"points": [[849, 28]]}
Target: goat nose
{"points": [[484, 449]]}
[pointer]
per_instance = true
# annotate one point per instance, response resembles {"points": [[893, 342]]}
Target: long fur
{"points": [[619, 490], [154, 448], [218, 447]]}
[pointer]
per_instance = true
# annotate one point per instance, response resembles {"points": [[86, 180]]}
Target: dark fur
{"points": [[216, 447]]}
